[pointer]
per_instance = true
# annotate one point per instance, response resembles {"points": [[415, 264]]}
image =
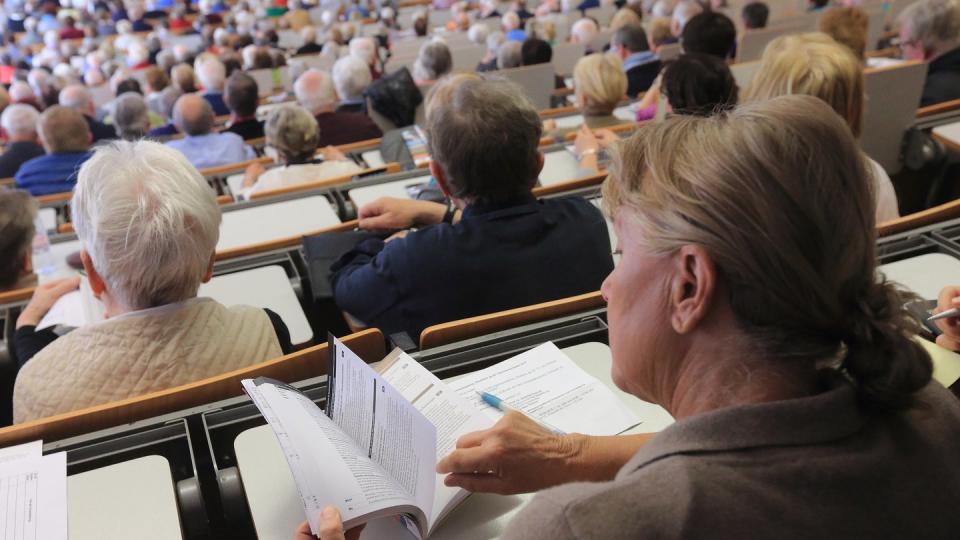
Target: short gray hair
{"points": [[148, 220], [351, 76], [495, 40], [17, 213], [462, 111], [314, 90], [510, 55], [77, 97], [433, 61], [293, 131], [19, 120], [130, 116], [933, 23], [364, 48]]}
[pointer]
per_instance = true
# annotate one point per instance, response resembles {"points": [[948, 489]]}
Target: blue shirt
{"points": [[215, 99], [516, 35], [213, 149], [52, 173], [497, 257], [638, 59]]}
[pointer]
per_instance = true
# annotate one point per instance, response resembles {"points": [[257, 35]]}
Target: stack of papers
{"points": [[33, 493]]}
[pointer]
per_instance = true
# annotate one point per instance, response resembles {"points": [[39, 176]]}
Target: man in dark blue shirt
{"points": [[66, 138], [498, 248]]}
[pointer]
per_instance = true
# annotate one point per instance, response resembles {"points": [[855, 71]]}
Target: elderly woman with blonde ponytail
{"points": [[748, 304]]}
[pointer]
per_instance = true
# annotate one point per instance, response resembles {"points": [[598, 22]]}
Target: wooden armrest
{"points": [[931, 110], [923, 218], [54, 198], [576, 183]]}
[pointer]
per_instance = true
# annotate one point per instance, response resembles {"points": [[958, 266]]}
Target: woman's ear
{"points": [[692, 288], [93, 277]]}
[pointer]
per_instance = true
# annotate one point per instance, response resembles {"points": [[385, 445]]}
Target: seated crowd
{"points": [[743, 289]]}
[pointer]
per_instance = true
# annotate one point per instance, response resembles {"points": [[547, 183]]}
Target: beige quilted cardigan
{"points": [[142, 352]]}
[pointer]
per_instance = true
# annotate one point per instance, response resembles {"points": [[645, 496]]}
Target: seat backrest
{"points": [[670, 52], [892, 95], [466, 58], [930, 216], [743, 73], [601, 14], [565, 57], [310, 362], [753, 42], [321, 62], [446, 333], [536, 81], [270, 80]]}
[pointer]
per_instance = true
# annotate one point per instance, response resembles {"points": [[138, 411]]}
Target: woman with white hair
{"points": [[489, 61], [351, 76], [148, 224], [930, 31], [433, 61], [292, 132]]}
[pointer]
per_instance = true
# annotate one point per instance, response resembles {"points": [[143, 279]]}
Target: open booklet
{"points": [[373, 453], [74, 309]]}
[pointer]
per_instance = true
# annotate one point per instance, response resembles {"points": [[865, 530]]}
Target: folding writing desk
{"points": [[558, 166], [49, 218], [275, 505], [132, 499], [266, 287], [272, 221], [949, 134], [364, 195], [925, 274]]}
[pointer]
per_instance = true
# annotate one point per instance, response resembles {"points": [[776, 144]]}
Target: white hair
{"points": [[137, 53], [327, 18], [684, 11], [314, 90], [433, 61], [510, 55], [21, 91], [364, 48], [124, 27], [19, 120], [78, 97], [495, 40], [662, 9], [510, 21], [309, 34], [51, 39], [934, 23], [351, 76], [148, 220], [478, 33], [210, 72], [584, 31]]}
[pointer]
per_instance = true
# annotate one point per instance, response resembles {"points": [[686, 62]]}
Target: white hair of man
{"points": [[93, 77], [137, 53], [351, 76], [663, 9], [684, 11], [934, 24], [21, 91], [584, 31], [210, 72], [148, 221], [510, 21], [78, 97], [19, 121], [315, 91], [51, 39], [124, 27], [40, 81], [364, 48], [478, 33], [327, 18], [249, 54], [433, 61]]}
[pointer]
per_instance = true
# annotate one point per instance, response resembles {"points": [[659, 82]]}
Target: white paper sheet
{"points": [[33, 495], [547, 385]]}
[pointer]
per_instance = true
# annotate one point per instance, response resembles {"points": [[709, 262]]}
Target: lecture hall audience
{"points": [[149, 224], [760, 323], [66, 140], [498, 248]]}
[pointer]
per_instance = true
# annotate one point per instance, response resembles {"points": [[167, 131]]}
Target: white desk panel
{"points": [[274, 221], [132, 499], [558, 166], [926, 274], [398, 189], [266, 287], [950, 132]]}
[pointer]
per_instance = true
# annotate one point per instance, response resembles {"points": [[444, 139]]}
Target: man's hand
{"points": [[331, 527], [516, 455], [950, 338], [44, 297], [253, 172], [387, 213]]}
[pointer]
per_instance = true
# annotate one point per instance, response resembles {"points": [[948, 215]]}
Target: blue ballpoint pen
{"points": [[501, 405]]}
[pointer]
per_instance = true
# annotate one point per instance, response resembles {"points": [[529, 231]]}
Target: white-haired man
{"points": [[351, 76], [212, 75], [79, 98], [146, 268], [315, 93], [930, 31], [365, 48], [584, 31], [19, 129], [684, 11], [310, 45]]}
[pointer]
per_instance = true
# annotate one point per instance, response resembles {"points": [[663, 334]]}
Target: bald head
{"points": [[193, 115], [315, 91], [63, 130], [77, 97]]}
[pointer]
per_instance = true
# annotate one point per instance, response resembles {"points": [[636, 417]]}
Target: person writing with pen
{"points": [[746, 302]]}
